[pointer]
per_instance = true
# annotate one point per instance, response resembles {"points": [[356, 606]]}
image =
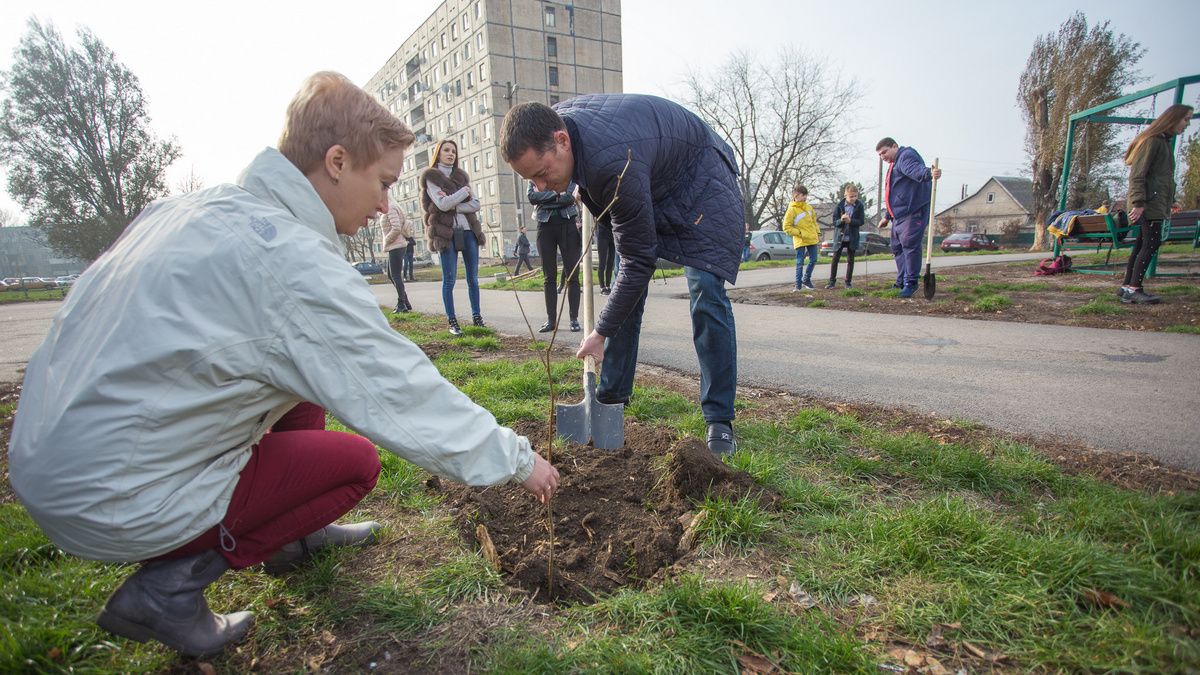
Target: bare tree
{"points": [[189, 183], [943, 227], [1189, 184], [7, 218], [75, 137], [361, 246], [784, 119], [1071, 70]]}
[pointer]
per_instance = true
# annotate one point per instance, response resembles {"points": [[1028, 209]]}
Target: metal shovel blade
{"points": [[590, 421], [930, 283]]}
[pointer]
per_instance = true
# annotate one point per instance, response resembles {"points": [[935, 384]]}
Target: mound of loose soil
{"points": [[618, 514]]}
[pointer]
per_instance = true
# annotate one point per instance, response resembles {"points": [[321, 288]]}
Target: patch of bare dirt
{"points": [[619, 515], [1053, 301]]}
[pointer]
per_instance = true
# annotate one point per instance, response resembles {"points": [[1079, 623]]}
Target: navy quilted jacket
{"points": [[679, 199]]}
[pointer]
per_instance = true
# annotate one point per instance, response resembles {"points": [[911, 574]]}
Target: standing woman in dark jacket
{"points": [[847, 220], [452, 227], [1151, 192], [607, 251], [558, 233]]}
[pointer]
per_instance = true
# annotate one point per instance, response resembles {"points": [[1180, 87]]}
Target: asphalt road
{"points": [[1118, 390]]}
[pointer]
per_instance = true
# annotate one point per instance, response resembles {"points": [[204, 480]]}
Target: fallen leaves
{"points": [[1103, 599]]}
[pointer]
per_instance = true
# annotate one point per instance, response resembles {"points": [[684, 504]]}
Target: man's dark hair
{"points": [[528, 125], [886, 142], [800, 188]]}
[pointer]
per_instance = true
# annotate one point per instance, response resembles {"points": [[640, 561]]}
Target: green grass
{"points": [[981, 531], [816, 304], [1099, 306], [10, 296], [992, 303], [1184, 328]]}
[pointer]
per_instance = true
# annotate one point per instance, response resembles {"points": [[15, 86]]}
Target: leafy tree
{"points": [[785, 118], [75, 137], [1189, 185], [1076, 68]]}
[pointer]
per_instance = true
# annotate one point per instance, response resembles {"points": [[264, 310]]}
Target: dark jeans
{"points": [[713, 334], [523, 258], [396, 273], [449, 260], [407, 267], [607, 252], [837, 254], [554, 237], [1148, 240], [907, 234]]}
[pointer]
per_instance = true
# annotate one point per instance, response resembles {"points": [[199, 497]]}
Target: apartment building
{"points": [[469, 62]]}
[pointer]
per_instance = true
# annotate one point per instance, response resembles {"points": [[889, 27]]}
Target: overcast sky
{"points": [[940, 76]]}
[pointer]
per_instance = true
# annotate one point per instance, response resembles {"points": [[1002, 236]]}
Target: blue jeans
{"points": [[907, 236], [449, 258], [804, 274], [714, 336]]}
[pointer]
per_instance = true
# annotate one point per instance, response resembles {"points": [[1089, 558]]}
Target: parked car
{"points": [[967, 241], [869, 243], [368, 267], [34, 283], [771, 245], [65, 282]]}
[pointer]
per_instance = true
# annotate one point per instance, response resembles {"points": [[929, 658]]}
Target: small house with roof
{"points": [[1003, 206]]}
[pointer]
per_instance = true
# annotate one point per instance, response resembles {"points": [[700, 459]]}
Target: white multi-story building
{"points": [[470, 62]]}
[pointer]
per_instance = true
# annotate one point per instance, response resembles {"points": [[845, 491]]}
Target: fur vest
{"points": [[439, 225]]}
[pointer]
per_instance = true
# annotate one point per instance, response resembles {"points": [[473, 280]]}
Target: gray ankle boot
{"points": [[164, 601], [292, 555]]}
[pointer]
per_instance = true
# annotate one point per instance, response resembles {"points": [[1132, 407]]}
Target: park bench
{"points": [[1111, 230]]}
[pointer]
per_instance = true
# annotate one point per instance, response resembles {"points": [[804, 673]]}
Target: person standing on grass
{"points": [[848, 217], [800, 221], [672, 186], [906, 197], [607, 253], [522, 250], [175, 413], [558, 235], [396, 234], [452, 227], [1151, 193], [409, 246]]}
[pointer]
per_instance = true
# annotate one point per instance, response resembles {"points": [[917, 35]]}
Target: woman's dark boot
{"points": [[478, 321], [454, 329], [164, 601]]}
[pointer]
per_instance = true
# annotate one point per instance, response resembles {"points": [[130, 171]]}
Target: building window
{"points": [[492, 188], [487, 161], [550, 20], [467, 51], [553, 76], [991, 197], [482, 75], [466, 22], [443, 40], [552, 47], [470, 80], [487, 130], [479, 40], [478, 10], [474, 160]]}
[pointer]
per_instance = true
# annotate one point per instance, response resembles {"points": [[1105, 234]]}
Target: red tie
{"points": [[887, 192]]}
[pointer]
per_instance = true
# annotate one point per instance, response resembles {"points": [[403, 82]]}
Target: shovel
{"points": [[930, 281], [601, 424]]}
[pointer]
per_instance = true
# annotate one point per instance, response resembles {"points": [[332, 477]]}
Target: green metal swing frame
{"points": [[1116, 235]]}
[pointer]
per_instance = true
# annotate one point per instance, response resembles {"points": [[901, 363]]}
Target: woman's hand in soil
{"points": [[544, 479]]}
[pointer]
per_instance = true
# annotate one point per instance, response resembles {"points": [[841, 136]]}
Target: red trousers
{"points": [[299, 479]]}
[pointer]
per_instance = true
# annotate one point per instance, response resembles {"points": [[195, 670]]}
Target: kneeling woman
{"points": [[452, 226], [175, 413]]}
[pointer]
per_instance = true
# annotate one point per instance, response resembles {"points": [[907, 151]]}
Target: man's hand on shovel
{"points": [[544, 479], [592, 345]]}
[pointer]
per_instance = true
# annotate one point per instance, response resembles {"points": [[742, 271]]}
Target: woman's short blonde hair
{"points": [[331, 110]]}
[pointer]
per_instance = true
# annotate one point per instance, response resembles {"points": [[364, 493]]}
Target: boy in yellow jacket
{"points": [[800, 221]]}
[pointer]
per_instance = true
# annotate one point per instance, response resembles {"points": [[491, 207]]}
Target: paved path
{"points": [[1119, 390]]}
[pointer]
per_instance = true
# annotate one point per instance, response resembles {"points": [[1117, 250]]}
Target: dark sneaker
{"points": [[575, 327], [849, 285], [908, 291], [454, 329], [1139, 297], [720, 439], [546, 327], [1122, 292], [809, 286], [478, 321], [830, 285], [604, 290]]}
